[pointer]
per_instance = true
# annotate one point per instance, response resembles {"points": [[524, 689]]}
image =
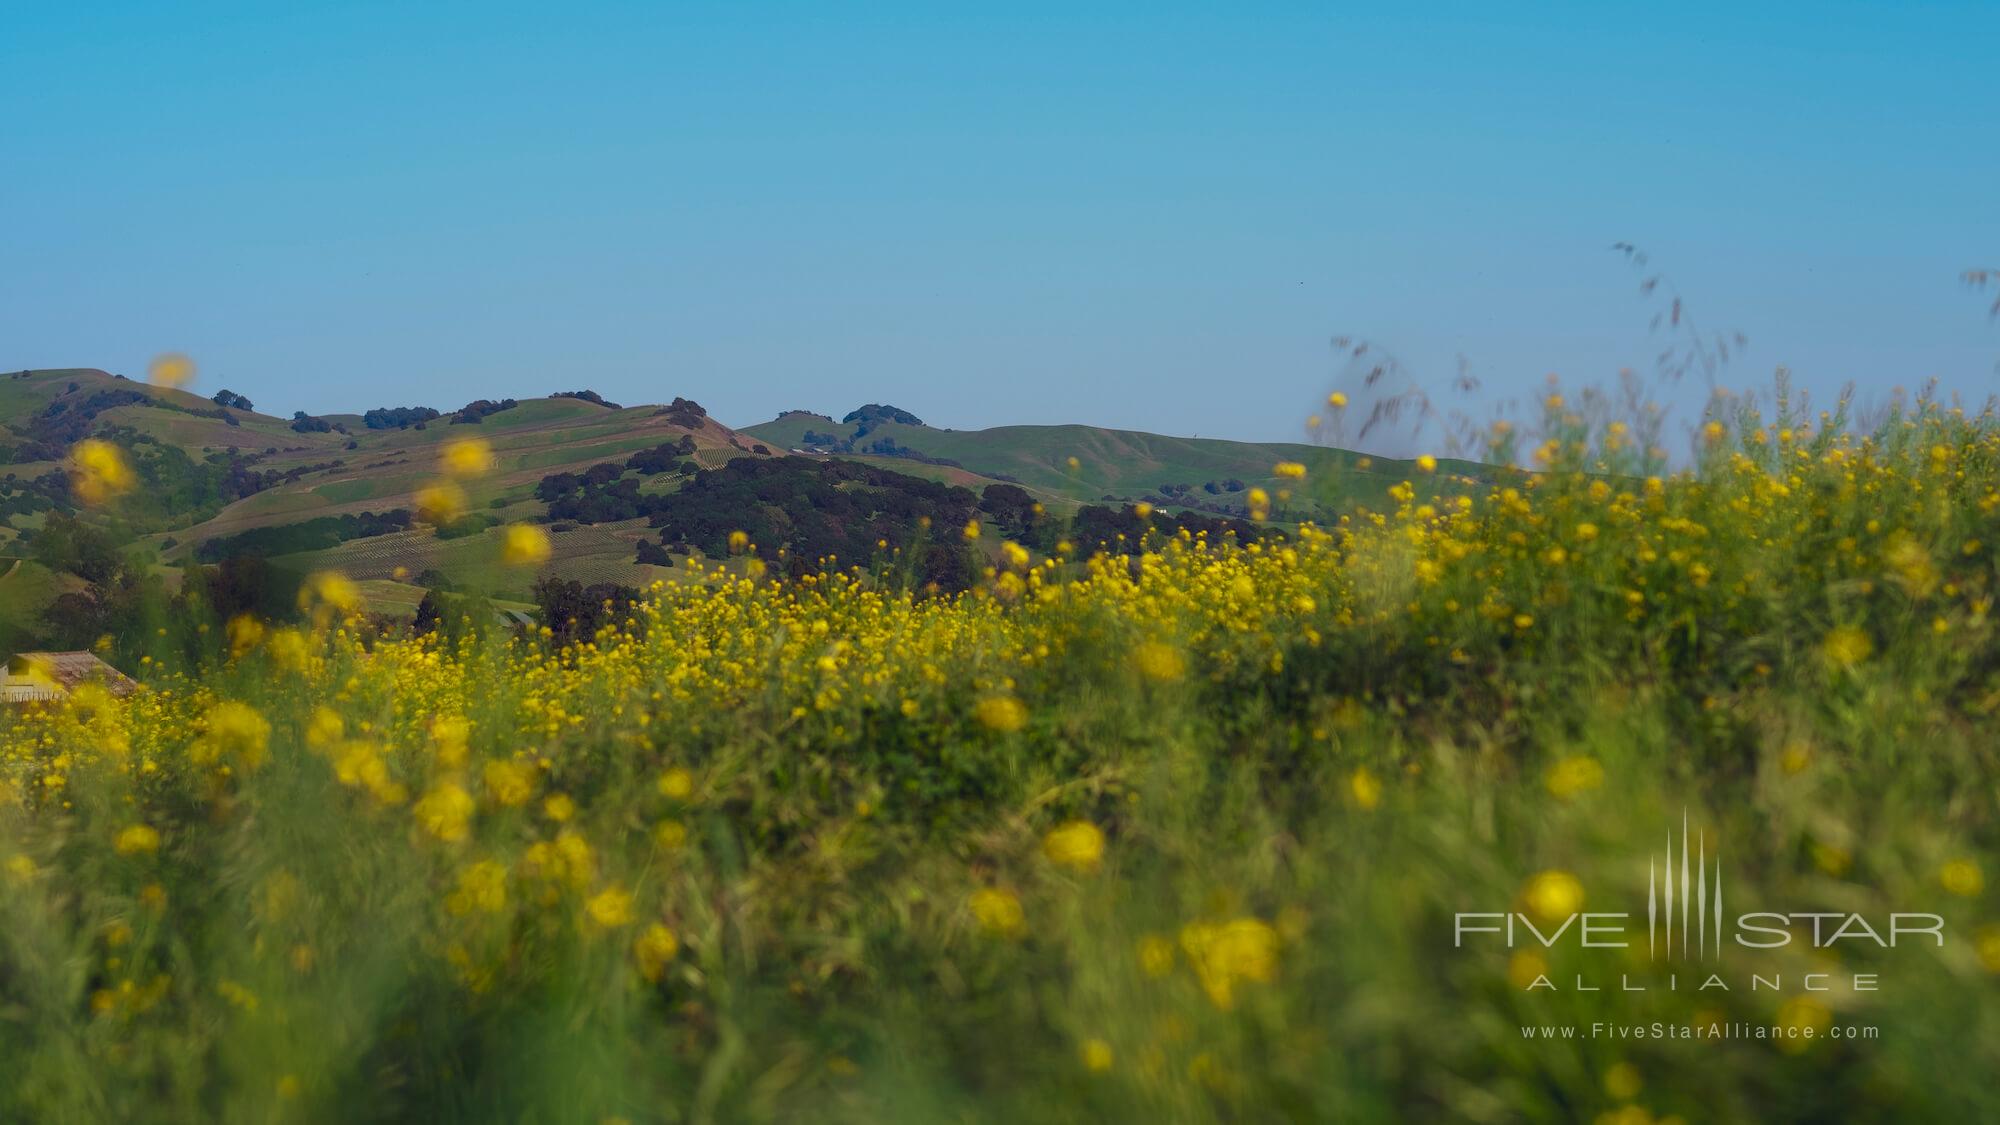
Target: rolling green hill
{"points": [[1120, 464], [304, 475], [218, 481]]}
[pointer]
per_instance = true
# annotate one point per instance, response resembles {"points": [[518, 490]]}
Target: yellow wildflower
{"points": [[170, 369], [1229, 954], [446, 812], [677, 784], [329, 590], [1622, 1081], [1962, 877], [524, 544], [1364, 787], [235, 730], [98, 472], [440, 502], [450, 739], [997, 911], [510, 783], [138, 839], [1158, 661], [1077, 845], [1576, 774], [1804, 1019], [465, 457], [1847, 646], [1002, 713], [482, 887], [655, 946], [1987, 942], [610, 908], [1552, 895]]}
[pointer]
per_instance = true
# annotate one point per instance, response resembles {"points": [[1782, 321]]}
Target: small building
{"points": [[33, 677]]}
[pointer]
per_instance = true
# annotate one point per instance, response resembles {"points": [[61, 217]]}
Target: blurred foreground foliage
{"points": [[1173, 835]]}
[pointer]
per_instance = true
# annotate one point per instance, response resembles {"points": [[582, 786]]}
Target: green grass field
{"points": [[1122, 463]]}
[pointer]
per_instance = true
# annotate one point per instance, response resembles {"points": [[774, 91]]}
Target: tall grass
{"points": [[1182, 838]]}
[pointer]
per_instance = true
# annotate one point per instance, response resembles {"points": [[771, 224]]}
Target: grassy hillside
{"points": [[24, 395], [1126, 464], [211, 474], [333, 473], [533, 440]]}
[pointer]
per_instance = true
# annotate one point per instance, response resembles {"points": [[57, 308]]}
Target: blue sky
{"points": [[1149, 216]]}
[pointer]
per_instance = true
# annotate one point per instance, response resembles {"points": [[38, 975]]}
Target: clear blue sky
{"points": [[1150, 216]]}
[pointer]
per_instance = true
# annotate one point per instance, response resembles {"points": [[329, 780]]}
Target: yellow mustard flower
{"points": [[1077, 845]]}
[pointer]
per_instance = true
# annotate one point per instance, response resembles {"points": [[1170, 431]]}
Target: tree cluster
{"points": [[399, 417], [315, 534], [683, 412], [475, 412]]}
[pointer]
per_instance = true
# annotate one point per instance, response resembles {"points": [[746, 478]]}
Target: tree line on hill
{"points": [[316, 534], [420, 417]]}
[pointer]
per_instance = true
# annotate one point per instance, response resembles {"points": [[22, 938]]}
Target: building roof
{"points": [[32, 676]]}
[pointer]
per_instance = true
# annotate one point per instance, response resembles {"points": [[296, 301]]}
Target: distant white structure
{"points": [[40, 677]]}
